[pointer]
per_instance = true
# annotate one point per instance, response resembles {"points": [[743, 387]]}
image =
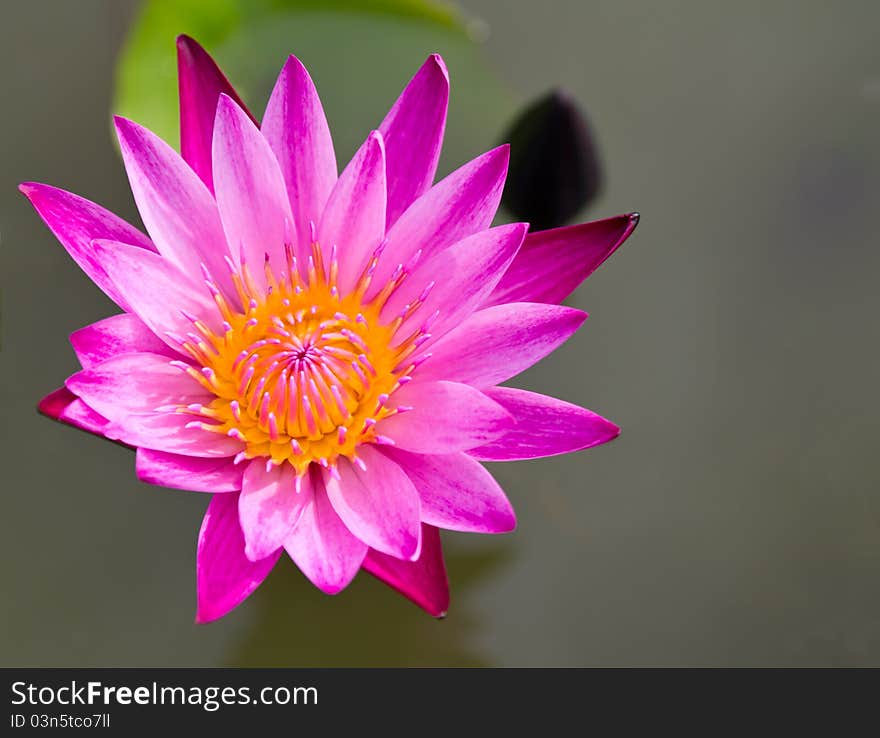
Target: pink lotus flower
{"points": [[321, 352]]}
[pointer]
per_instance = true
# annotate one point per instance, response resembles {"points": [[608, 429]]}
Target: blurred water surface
{"points": [[737, 519]]}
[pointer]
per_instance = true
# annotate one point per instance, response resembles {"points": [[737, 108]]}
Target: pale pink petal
{"points": [[130, 389], [499, 342], [118, 334], [66, 407], [460, 205], [200, 83], [269, 507], [457, 281], [135, 383], [296, 128], [423, 581], [446, 417], [176, 207], [379, 505], [188, 472], [159, 293], [171, 432], [354, 219], [224, 575], [551, 264], [320, 544], [76, 222], [413, 132], [456, 492], [250, 191], [545, 427]]}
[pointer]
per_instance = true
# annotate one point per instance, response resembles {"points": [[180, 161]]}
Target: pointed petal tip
{"points": [[378, 139], [205, 615], [294, 63], [632, 221], [55, 402], [437, 62], [186, 42]]}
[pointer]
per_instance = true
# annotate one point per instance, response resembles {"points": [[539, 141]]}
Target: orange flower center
{"points": [[301, 374]]}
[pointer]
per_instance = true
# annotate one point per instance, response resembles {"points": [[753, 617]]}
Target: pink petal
{"points": [[81, 416], [423, 581], [176, 207], [269, 507], [224, 575], [66, 407], [380, 505], [446, 417], [201, 83], [460, 205], [545, 427], [499, 342], [188, 472], [413, 132], [251, 193], [456, 492], [169, 432], [296, 128], [551, 264], [135, 383], [354, 219], [158, 292], [76, 222], [320, 544], [118, 334], [457, 281], [127, 390]]}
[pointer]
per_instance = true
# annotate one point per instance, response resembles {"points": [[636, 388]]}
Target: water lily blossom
{"points": [[321, 352]]}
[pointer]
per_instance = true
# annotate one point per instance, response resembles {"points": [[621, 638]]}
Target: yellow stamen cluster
{"points": [[300, 373]]}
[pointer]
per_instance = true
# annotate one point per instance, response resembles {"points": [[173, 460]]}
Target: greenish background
{"points": [[737, 519]]}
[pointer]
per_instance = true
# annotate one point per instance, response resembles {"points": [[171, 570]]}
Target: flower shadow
{"points": [[368, 624]]}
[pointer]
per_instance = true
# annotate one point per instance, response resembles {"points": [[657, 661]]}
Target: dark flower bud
{"points": [[554, 167]]}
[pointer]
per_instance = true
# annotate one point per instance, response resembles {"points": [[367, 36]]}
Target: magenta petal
{"points": [[177, 208], [269, 507], [66, 407], [201, 83], [224, 575], [321, 545], [159, 293], [379, 505], [118, 334], [413, 132], [454, 283], [456, 492], [499, 342], [53, 404], [446, 417], [545, 427], [354, 219], [296, 128], [188, 472], [551, 264], [76, 222], [460, 205], [423, 581], [250, 190]]}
